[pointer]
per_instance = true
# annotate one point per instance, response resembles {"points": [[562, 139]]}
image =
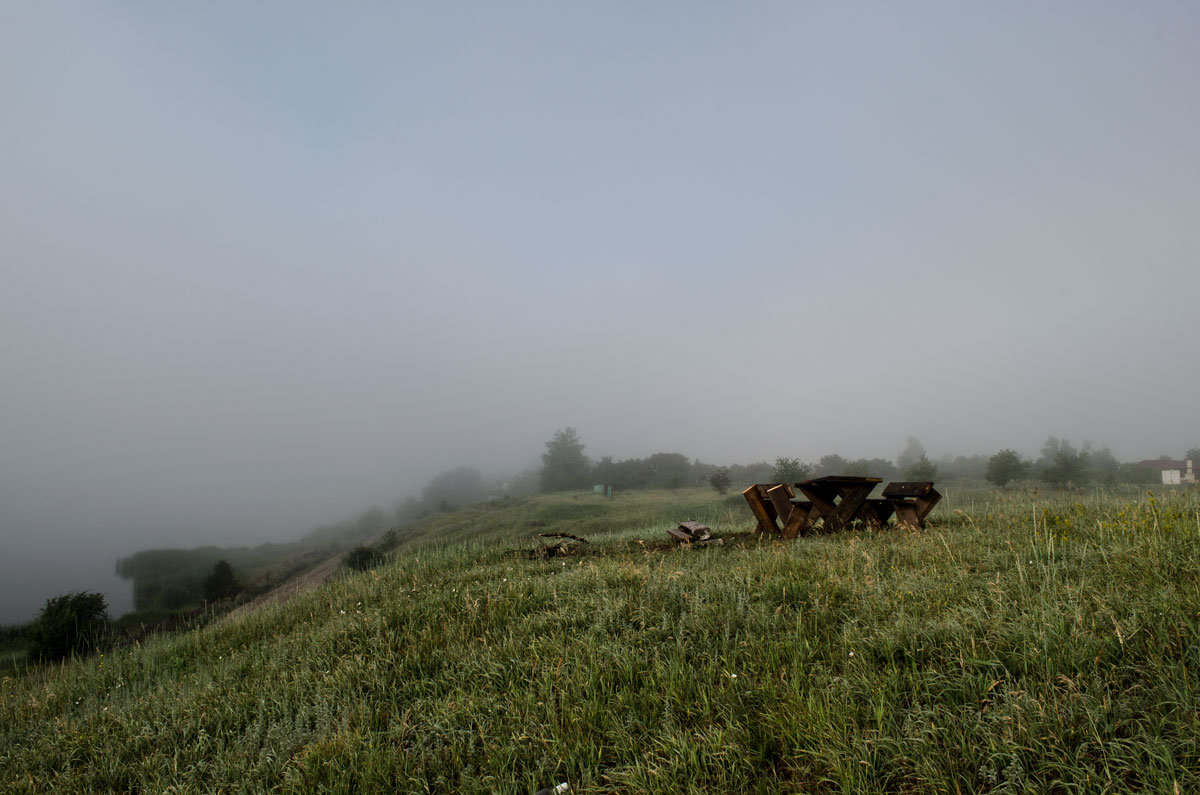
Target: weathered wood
{"points": [[912, 502], [763, 511], [877, 512], [679, 535], [838, 498], [912, 488], [906, 515], [780, 496], [799, 519]]}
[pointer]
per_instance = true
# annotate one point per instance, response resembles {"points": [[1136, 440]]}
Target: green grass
{"points": [[1020, 644]]}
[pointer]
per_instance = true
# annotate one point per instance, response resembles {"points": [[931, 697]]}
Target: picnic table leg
{"points": [[906, 515], [798, 520], [876, 513], [758, 506], [925, 505], [781, 498], [846, 511]]}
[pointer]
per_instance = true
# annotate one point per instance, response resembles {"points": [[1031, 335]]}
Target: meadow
{"points": [[1024, 642]]}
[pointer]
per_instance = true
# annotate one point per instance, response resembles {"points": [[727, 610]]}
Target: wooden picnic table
{"points": [[911, 501], [837, 499]]}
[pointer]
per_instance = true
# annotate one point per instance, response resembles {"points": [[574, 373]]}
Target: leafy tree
{"points": [[1061, 464], [962, 467], [720, 481], [667, 471], [913, 452], [757, 472], [221, 582], [1005, 467], [1103, 467], [70, 624], [832, 464], [788, 470], [564, 466], [921, 469], [1193, 455], [1136, 473]]}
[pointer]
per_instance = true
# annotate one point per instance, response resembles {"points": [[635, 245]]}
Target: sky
{"points": [[265, 265]]}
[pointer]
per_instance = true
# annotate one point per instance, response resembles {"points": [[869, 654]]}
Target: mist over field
{"points": [[263, 267]]}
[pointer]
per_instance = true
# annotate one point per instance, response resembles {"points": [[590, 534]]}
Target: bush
{"points": [[71, 624], [362, 558], [720, 481]]}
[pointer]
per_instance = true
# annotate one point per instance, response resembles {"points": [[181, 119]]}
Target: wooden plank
{"points": [[911, 488], [877, 512], [781, 497], [925, 504], [906, 515], [759, 507], [679, 535], [840, 480], [799, 520], [847, 510]]}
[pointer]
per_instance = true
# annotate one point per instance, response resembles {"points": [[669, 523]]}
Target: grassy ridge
{"points": [[1019, 644]]}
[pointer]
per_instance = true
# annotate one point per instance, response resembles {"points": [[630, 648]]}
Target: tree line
{"points": [[565, 466]]}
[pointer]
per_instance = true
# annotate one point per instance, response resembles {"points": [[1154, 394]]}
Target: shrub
{"points": [[70, 624], [362, 558], [720, 481]]}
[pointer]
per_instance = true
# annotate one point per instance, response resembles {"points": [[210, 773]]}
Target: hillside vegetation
{"points": [[1020, 643]]}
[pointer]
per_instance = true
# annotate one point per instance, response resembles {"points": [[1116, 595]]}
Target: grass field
{"points": [[1022, 643]]}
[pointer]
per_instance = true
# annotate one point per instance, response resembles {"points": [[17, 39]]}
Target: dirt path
{"points": [[302, 583]]}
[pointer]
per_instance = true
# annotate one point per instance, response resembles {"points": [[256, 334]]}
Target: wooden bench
{"points": [[777, 509], [910, 501]]}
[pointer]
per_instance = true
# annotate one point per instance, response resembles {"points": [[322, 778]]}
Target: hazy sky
{"points": [[265, 264]]}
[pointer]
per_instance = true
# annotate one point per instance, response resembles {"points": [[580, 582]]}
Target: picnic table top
{"points": [[839, 480]]}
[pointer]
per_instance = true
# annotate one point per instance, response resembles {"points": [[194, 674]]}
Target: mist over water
{"points": [[263, 268]]}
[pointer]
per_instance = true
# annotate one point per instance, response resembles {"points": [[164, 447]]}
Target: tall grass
{"points": [[1020, 643]]}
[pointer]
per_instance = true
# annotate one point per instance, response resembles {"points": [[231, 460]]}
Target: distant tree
{"points": [[390, 540], [1103, 467], [1193, 455], [1061, 464], [410, 508], [564, 466], [789, 470], [605, 471], [757, 472], [454, 488], [962, 467], [720, 480], [1136, 473], [1005, 467], [70, 624], [667, 471], [913, 452], [870, 467], [832, 464], [921, 469], [221, 582]]}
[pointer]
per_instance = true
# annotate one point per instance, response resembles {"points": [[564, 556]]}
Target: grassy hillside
{"points": [[1021, 643]]}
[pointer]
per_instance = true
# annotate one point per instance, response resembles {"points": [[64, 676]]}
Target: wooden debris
{"points": [[565, 546], [693, 533]]}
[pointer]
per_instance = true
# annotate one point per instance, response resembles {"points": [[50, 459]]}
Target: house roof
{"points": [[1157, 463]]}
